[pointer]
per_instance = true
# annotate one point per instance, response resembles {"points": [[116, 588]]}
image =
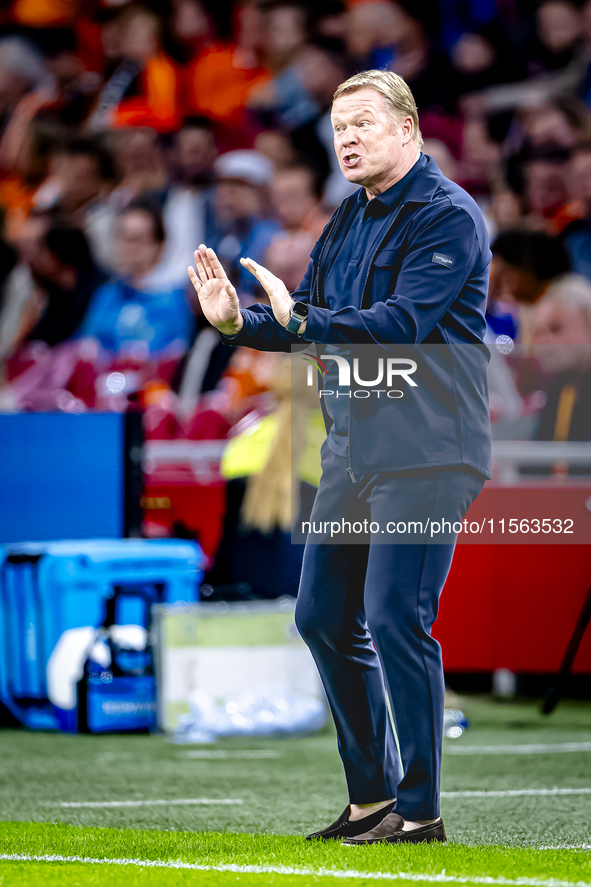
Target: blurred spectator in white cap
{"points": [[250, 166], [241, 224]]}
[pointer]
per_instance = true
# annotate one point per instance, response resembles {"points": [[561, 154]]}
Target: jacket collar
{"points": [[424, 186], [388, 199], [421, 189]]}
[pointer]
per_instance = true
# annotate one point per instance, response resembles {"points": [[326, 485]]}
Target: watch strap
{"points": [[295, 320]]}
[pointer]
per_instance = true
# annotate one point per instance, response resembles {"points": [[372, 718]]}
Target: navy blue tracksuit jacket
{"points": [[425, 282]]}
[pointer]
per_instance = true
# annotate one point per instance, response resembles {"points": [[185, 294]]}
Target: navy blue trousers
{"points": [[365, 608]]}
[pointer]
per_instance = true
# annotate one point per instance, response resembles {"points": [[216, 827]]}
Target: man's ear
{"points": [[408, 130]]}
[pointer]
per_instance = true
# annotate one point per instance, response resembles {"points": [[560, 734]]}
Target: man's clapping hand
{"points": [[218, 297], [278, 293]]}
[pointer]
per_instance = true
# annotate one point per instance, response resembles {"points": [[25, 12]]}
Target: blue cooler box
{"points": [[125, 705], [53, 600]]}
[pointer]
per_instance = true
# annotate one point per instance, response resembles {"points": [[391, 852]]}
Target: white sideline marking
{"points": [[219, 753], [149, 803], [441, 878], [534, 749], [107, 757], [508, 793], [515, 792]]}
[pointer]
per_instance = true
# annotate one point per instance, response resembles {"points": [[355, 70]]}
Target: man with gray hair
{"points": [[402, 267], [562, 345]]}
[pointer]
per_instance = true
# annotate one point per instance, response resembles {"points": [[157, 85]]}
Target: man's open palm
{"points": [[218, 297]]}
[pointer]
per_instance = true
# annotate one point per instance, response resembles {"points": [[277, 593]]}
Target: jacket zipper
{"points": [[338, 216], [363, 300], [316, 295], [316, 299]]}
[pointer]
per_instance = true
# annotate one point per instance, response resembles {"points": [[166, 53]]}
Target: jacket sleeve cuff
{"points": [[317, 324], [241, 337]]}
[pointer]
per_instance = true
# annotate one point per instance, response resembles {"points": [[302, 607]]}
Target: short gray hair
{"points": [[395, 90]]}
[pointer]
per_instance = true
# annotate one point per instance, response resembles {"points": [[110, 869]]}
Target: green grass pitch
{"points": [[287, 788]]}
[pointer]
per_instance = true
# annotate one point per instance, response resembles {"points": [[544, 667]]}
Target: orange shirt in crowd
{"points": [[158, 106], [558, 220], [16, 200], [44, 13], [219, 82]]}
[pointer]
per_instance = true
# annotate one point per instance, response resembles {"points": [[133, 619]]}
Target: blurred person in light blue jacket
{"points": [[142, 307]]}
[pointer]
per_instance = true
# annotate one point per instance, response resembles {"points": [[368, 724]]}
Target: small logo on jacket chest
{"points": [[441, 259]]}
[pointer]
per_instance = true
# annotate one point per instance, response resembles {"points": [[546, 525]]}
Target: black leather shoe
{"points": [[344, 828], [389, 831]]}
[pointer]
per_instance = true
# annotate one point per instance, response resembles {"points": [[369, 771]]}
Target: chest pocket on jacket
{"points": [[386, 267]]}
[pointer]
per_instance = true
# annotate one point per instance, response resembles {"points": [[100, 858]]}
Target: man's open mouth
{"points": [[351, 159]]}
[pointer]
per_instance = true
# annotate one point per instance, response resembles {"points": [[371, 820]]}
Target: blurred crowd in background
{"points": [[132, 132]]}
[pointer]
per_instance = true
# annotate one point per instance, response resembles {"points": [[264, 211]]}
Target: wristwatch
{"points": [[299, 312]]}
